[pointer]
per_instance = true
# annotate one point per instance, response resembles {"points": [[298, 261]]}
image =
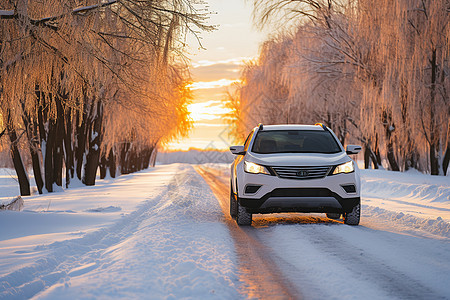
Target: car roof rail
{"points": [[260, 126], [323, 126]]}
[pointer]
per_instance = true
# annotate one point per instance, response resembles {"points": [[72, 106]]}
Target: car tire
{"points": [[243, 218], [333, 216], [233, 204], [353, 217]]}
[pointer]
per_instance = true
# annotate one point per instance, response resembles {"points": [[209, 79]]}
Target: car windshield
{"points": [[295, 141]]}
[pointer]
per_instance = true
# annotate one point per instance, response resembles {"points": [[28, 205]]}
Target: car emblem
{"points": [[302, 173]]}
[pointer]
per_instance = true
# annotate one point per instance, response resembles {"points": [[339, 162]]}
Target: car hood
{"points": [[298, 159]]}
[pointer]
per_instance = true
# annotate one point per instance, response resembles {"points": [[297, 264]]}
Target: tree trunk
{"points": [[103, 166], [446, 160], [24, 183], [112, 163], [40, 130], [123, 158], [409, 153], [37, 170], [389, 128], [153, 156], [147, 156], [69, 153], [391, 158], [80, 148], [95, 140], [48, 159], [434, 137], [31, 130], [366, 157], [369, 155], [58, 152]]}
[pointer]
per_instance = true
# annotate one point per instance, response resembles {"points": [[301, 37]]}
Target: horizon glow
{"points": [[215, 70]]}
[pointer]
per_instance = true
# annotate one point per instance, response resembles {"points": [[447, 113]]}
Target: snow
{"points": [[9, 186], [194, 156], [161, 234], [7, 13], [90, 7], [356, 262], [94, 135], [411, 199]]}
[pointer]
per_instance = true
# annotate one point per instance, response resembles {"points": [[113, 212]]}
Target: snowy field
{"points": [[161, 234]]}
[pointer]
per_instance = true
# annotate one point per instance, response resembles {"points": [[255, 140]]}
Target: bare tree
{"points": [[64, 66], [375, 69]]}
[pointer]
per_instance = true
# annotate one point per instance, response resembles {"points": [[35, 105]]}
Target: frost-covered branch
{"points": [[2, 133], [12, 14]]}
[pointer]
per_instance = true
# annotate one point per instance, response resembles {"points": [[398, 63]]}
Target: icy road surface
{"points": [[163, 234]]}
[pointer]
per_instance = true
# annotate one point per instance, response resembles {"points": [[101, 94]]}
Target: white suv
{"points": [[294, 168]]}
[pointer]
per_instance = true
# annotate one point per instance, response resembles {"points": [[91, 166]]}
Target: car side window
{"points": [[247, 141]]}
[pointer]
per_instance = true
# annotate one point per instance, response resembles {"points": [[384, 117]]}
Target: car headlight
{"points": [[348, 167], [250, 167]]}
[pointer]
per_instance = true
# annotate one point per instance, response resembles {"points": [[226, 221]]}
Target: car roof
{"points": [[292, 127]]}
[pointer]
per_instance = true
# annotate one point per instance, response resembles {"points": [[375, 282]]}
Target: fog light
{"points": [[349, 188], [252, 188]]}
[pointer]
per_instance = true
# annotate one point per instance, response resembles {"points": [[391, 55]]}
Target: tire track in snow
{"points": [[261, 276], [366, 266]]}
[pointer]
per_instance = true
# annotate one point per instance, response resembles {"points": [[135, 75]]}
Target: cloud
{"points": [[216, 72], [203, 124], [208, 70], [236, 25], [237, 61], [210, 110], [200, 85], [206, 95]]}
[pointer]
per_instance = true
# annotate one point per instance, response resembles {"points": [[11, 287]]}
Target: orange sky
{"points": [[216, 68]]}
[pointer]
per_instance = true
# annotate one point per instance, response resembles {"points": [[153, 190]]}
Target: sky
{"points": [[215, 68]]}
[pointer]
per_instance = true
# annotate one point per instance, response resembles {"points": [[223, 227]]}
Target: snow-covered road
{"points": [[323, 258], [162, 234]]}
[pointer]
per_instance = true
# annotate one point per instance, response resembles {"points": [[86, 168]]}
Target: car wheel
{"points": [[243, 218], [334, 216], [233, 204], [352, 218]]}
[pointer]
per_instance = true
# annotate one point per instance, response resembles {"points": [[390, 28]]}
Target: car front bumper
{"points": [[320, 200], [276, 194]]}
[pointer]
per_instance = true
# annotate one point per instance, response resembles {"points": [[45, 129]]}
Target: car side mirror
{"points": [[353, 149], [237, 150]]}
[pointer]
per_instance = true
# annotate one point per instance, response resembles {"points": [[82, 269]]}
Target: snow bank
{"points": [[425, 188], [411, 201], [437, 226], [9, 186], [14, 204]]}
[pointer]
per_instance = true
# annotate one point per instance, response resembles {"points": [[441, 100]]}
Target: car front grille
{"points": [[302, 173]]}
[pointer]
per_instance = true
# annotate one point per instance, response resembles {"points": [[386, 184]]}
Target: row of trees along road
{"points": [[92, 83], [375, 71]]}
